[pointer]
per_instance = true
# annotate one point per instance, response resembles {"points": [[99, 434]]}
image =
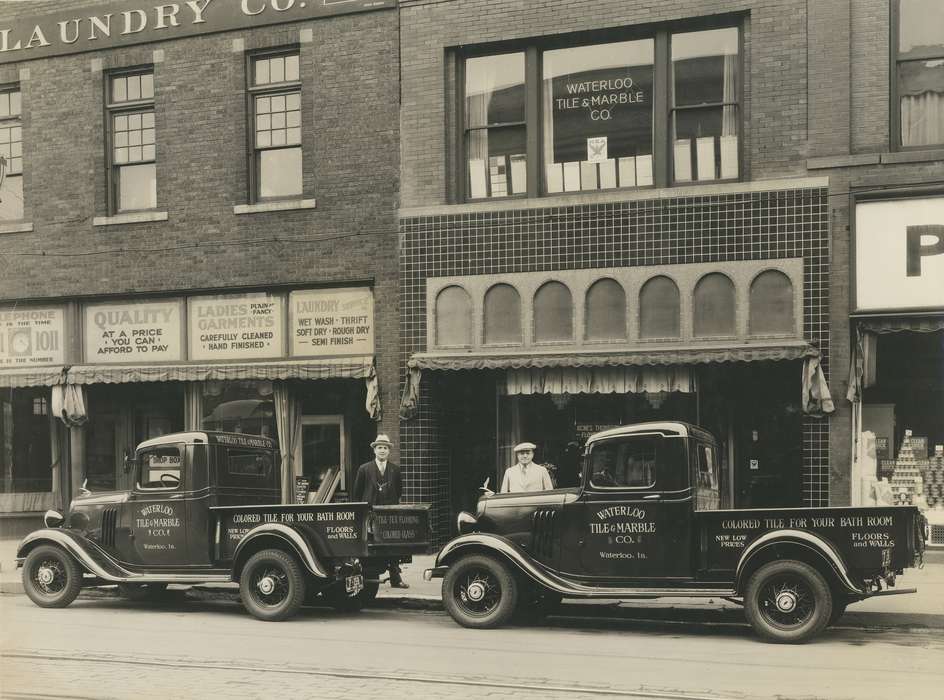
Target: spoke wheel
{"points": [[788, 601], [480, 591], [272, 586], [51, 577]]}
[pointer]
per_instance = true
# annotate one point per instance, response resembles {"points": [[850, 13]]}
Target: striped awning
{"points": [[322, 368], [34, 376]]}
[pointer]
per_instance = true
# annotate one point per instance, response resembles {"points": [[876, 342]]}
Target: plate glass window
{"points": [[11, 155], [277, 126], [920, 73], [133, 152]]}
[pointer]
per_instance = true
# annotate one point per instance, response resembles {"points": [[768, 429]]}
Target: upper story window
{"points": [[606, 311], [553, 314], [713, 306], [453, 317], [11, 154], [549, 119], [275, 94], [502, 315], [919, 73], [132, 144]]}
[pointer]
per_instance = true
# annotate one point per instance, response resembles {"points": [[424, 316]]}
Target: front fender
{"points": [[809, 541], [280, 534], [89, 555]]}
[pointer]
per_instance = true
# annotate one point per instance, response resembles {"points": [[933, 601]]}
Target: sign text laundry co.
{"points": [[31, 36]]}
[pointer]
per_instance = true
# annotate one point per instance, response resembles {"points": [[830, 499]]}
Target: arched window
{"points": [[659, 314], [502, 315], [713, 306], [453, 317], [771, 304], [606, 311], [553, 313]]}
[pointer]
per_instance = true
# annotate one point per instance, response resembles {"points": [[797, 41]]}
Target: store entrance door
{"points": [[323, 448]]}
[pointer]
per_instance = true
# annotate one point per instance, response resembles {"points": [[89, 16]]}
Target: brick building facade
{"points": [[211, 244]]}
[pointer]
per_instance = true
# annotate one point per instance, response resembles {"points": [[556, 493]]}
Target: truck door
{"points": [[155, 514], [633, 519]]}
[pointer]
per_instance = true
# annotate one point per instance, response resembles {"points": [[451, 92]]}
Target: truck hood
{"points": [[100, 498], [557, 497]]}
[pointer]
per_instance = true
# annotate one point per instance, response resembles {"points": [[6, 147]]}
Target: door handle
{"points": [[652, 497]]}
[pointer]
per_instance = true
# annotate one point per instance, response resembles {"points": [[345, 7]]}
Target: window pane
{"points": [[920, 28], [453, 317], [134, 87], [119, 89], [598, 116], [606, 311], [771, 308], [11, 198], [239, 406], [25, 446], [502, 315], [262, 71], [277, 70], [291, 67], [160, 468], [659, 313], [15, 103], [147, 86], [497, 162], [713, 307], [705, 144], [4, 104], [280, 173], [921, 95], [494, 90], [553, 313], [137, 187], [705, 66], [627, 464]]}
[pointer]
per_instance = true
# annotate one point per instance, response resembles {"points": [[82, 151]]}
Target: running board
{"points": [[888, 591]]}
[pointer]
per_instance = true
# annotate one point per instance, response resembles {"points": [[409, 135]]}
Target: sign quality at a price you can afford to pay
{"points": [[146, 331], [31, 337], [332, 322]]}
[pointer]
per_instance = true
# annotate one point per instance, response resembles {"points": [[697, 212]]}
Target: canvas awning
{"points": [[34, 376]]}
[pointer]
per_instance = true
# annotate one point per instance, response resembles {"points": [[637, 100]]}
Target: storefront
{"points": [[896, 381], [294, 364]]}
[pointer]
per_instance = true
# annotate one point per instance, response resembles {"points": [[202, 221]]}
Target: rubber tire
{"points": [[140, 592], [295, 579], [70, 568], [503, 577], [342, 602], [822, 602]]}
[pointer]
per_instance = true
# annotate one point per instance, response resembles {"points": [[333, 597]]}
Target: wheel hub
{"points": [[45, 575], [266, 585], [786, 601], [476, 591]]}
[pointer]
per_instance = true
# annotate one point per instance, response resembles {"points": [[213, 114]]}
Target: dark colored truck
{"points": [[205, 507], [647, 522]]}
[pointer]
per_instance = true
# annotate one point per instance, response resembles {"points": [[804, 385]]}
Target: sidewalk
{"points": [[924, 609]]}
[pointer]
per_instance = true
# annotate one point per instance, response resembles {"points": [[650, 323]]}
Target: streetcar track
{"points": [[353, 675]]}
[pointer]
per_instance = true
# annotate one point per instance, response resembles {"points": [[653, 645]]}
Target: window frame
{"points": [[534, 48], [12, 121], [141, 466], [254, 179], [894, 98], [114, 109]]}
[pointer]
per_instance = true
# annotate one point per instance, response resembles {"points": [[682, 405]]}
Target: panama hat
{"points": [[382, 439], [522, 446]]}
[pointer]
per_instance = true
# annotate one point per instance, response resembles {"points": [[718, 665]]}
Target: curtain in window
{"points": [[922, 119], [68, 404], [817, 400], [599, 380], [288, 422]]}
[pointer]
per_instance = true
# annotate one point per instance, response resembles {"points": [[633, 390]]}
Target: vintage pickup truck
{"points": [[646, 522], [205, 507]]}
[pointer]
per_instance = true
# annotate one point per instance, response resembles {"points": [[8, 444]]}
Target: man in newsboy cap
{"points": [[378, 483], [526, 475]]}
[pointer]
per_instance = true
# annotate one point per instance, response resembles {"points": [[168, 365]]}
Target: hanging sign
{"points": [[332, 322], [235, 327], [899, 254], [31, 337], [141, 332]]}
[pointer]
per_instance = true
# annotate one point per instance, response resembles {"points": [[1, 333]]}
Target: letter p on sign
{"points": [[918, 248]]}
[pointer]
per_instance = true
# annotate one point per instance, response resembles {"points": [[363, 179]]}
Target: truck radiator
{"points": [[543, 532], [109, 523]]}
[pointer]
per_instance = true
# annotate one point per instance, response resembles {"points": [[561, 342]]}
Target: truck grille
{"points": [[543, 534], [109, 523]]}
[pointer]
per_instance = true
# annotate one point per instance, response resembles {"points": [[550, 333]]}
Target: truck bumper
{"points": [[435, 572]]}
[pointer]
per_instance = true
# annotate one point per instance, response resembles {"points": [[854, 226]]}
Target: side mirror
{"points": [[130, 461], [84, 491], [486, 491]]}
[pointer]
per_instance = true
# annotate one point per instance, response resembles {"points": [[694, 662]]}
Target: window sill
{"points": [[17, 227], [920, 156], [139, 217], [281, 205], [890, 158]]}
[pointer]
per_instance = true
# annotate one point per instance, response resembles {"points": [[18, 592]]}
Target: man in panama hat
{"points": [[378, 483]]}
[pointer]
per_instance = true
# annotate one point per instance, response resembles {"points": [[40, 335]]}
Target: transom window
{"points": [[275, 97], [551, 119], [11, 153], [918, 77], [133, 150]]}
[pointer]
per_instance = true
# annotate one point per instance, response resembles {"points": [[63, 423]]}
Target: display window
{"points": [[244, 406], [25, 447]]}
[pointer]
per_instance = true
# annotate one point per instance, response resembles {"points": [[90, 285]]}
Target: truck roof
{"points": [[667, 428], [211, 437]]}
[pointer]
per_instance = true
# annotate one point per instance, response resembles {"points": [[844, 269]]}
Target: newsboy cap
{"points": [[522, 446]]}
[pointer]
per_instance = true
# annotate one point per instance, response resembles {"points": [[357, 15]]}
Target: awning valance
{"points": [[898, 324], [34, 376], [660, 358], [322, 368]]}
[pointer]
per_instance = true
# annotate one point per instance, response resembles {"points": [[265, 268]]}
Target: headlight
{"points": [[466, 522], [53, 518]]}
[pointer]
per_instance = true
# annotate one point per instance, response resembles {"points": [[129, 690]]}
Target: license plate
{"points": [[353, 584]]}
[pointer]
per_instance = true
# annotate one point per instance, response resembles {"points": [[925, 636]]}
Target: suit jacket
{"points": [[377, 489]]}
